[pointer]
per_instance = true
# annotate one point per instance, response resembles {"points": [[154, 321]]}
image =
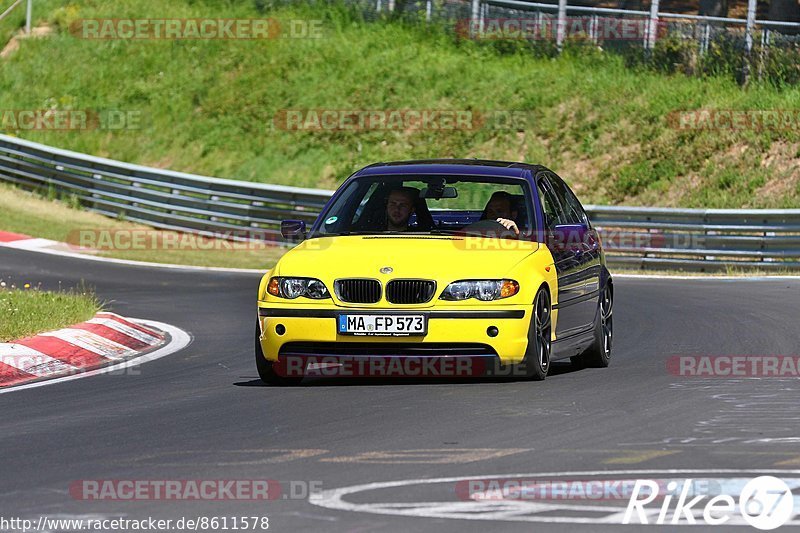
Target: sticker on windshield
{"points": [[331, 220]]}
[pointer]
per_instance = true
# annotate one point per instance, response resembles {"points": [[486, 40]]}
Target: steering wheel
{"points": [[489, 228]]}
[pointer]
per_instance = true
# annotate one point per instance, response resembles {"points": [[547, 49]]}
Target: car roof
{"points": [[451, 166]]}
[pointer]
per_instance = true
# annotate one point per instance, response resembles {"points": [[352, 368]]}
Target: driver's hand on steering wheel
{"points": [[509, 224]]}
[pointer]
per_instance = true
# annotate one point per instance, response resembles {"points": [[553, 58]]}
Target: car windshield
{"points": [[433, 205]]}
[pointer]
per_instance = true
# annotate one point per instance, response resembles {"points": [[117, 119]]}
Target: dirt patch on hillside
{"points": [[783, 164], [13, 44]]}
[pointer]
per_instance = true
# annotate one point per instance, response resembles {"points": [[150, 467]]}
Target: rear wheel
{"points": [[536, 363], [266, 369], [598, 355]]}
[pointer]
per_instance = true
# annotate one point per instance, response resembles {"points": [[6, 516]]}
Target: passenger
{"points": [[399, 208], [500, 208]]}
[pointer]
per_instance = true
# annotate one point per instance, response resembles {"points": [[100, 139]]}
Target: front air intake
{"points": [[358, 291], [410, 291]]}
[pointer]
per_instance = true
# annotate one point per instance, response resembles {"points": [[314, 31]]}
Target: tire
{"points": [[536, 362], [266, 369], [598, 355]]}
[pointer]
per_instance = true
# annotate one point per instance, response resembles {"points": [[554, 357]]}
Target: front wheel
{"points": [[598, 355], [536, 363]]}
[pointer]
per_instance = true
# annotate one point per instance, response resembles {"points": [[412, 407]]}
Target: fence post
{"points": [[652, 26], [28, 17], [475, 18], [762, 56], [748, 41], [751, 21], [561, 24], [706, 37]]}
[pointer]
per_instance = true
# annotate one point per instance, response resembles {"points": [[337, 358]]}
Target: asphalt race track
{"points": [[202, 413]]}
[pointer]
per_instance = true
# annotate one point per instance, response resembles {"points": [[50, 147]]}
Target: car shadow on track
{"points": [[556, 370]]}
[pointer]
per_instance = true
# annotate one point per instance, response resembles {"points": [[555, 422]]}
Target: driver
{"points": [[500, 208], [399, 208]]}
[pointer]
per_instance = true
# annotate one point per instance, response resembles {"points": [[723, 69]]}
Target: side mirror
{"points": [[576, 237], [293, 229]]}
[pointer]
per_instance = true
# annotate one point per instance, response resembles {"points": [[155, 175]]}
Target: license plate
{"points": [[395, 325]]}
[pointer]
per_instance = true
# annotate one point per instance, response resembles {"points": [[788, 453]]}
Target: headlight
{"points": [[292, 288], [482, 289]]}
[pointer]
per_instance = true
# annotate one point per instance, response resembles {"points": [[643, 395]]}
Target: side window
{"points": [[550, 207], [573, 211], [576, 206]]}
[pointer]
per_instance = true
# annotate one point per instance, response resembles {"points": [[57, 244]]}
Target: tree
{"points": [[788, 10]]}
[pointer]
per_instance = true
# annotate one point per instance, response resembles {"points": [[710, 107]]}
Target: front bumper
{"points": [[455, 331]]}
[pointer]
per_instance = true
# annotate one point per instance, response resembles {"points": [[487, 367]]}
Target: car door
{"points": [[565, 232], [590, 241]]}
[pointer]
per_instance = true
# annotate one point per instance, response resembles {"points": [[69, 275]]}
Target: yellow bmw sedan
{"points": [[438, 268]]}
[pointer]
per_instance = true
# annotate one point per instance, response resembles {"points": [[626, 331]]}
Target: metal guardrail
{"points": [[699, 239], [634, 237], [159, 198]]}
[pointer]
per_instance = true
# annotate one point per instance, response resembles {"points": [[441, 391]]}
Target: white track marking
{"points": [[31, 244], [31, 361], [116, 325], [92, 342], [179, 339], [504, 510]]}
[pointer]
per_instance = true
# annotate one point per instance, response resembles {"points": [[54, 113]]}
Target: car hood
{"points": [[442, 258]]}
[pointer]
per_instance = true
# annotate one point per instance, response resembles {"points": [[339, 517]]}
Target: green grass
{"points": [[207, 106], [13, 22], [29, 214], [28, 311]]}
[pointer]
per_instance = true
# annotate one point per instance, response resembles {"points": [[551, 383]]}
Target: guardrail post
{"points": [[652, 26], [28, 11], [474, 21], [561, 24]]}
